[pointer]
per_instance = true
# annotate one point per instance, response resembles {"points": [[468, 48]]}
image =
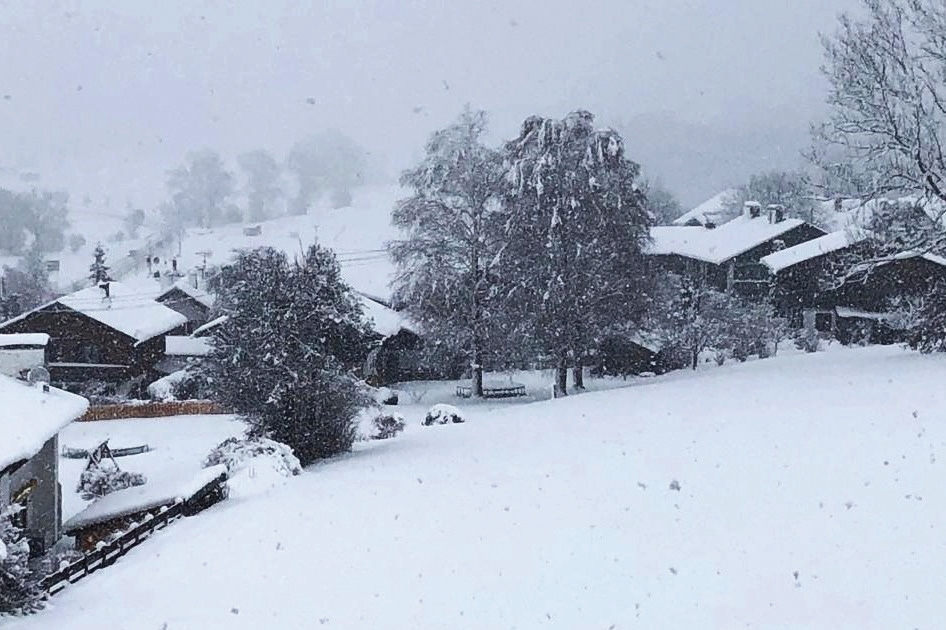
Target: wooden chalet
{"points": [[111, 333], [808, 280], [728, 256]]}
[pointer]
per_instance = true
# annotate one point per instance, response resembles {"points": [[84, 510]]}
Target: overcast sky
{"points": [[134, 85]]}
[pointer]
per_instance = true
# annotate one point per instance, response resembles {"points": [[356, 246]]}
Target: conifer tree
{"points": [[98, 270]]}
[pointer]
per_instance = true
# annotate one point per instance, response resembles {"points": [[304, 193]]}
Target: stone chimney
{"points": [[776, 212], [752, 209]]}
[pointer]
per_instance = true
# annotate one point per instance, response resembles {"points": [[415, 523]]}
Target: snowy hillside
{"points": [[798, 492], [357, 234]]}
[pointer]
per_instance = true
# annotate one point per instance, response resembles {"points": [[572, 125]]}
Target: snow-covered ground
{"points": [[804, 491], [178, 446]]}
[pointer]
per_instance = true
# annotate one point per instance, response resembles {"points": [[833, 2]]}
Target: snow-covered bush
{"points": [[386, 425], [443, 414], [163, 388], [98, 481], [19, 593], [237, 453], [286, 355]]}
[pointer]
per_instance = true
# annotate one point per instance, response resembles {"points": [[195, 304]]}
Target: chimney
{"points": [[776, 212], [752, 209]]}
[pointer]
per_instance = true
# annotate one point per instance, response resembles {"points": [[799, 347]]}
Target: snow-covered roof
{"points": [[847, 312], [201, 297], [385, 320], [178, 346], [141, 498], [126, 310], [719, 244], [29, 417], [23, 339], [814, 248], [708, 211], [205, 329]]}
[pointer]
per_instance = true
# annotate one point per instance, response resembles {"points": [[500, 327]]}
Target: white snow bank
{"points": [[29, 417]]}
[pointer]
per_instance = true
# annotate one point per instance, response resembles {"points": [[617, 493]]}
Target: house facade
{"points": [[110, 333], [32, 416], [823, 282]]}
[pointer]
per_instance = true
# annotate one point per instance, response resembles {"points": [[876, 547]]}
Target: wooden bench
{"points": [[493, 391]]}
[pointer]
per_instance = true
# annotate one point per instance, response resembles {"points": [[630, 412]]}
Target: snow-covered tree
{"points": [[98, 270], [19, 593], [576, 226], [327, 161], [263, 188], [285, 356], [888, 99], [199, 189], [25, 286], [452, 229]]}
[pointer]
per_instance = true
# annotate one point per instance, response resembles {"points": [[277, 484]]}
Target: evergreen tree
{"points": [[98, 270], [576, 229], [285, 357], [453, 232], [19, 593]]}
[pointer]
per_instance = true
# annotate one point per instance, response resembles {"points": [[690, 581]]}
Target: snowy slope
{"points": [[357, 234], [808, 494]]}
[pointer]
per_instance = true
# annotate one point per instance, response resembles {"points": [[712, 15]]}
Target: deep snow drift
{"points": [[798, 492]]}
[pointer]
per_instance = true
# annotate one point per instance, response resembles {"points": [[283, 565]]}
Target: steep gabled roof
{"points": [[29, 417], [720, 244], [201, 297], [126, 310]]}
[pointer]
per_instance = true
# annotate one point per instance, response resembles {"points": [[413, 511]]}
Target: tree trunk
{"points": [[561, 376], [477, 375], [695, 359], [578, 375]]}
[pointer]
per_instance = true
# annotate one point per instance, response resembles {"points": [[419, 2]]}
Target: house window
{"points": [[20, 499], [91, 354]]}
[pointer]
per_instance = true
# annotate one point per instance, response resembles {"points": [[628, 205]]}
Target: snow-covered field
{"points": [[805, 491], [178, 446]]}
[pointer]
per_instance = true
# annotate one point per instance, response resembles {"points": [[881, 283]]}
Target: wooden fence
{"points": [[152, 410], [108, 553]]}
